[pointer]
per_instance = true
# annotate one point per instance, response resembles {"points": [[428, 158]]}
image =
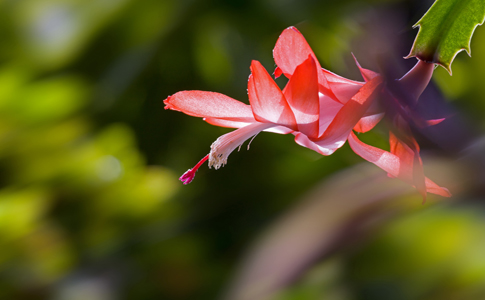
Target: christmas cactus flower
{"points": [[295, 109], [355, 110], [320, 108], [345, 104]]}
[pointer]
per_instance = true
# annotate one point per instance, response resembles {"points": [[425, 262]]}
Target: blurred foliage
{"points": [[466, 85], [90, 207], [431, 253], [394, 266]]}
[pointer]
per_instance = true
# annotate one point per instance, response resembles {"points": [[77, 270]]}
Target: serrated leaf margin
{"points": [[435, 60]]}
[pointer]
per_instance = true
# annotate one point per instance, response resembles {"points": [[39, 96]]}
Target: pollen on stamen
{"points": [[217, 160], [188, 176], [220, 151], [227, 143]]}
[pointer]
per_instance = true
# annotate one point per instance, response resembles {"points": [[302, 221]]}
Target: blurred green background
{"points": [[90, 205]]}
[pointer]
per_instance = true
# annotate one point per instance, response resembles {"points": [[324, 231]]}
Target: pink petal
{"points": [[279, 129], [349, 115], [226, 123], [405, 152], [339, 88], [368, 122], [209, 105], [301, 92], [411, 168], [277, 72], [324, 148], [433, 188], [328, 110], [407, 149], [290, 51], [381, 158], [366, 74], [337, 120], [267, 101], [390, 163]]}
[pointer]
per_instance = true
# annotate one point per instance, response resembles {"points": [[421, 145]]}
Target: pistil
{"points": [[188, 176]]}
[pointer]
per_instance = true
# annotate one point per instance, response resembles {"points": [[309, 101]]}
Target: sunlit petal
{"points": [[301, 92], [290, 51], [390, 163], [267, 101], [209, 105], [339, 88], [368, 122], [350, 114]]}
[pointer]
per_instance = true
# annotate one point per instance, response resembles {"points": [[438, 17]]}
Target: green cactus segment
{"points": [[446, 29]]}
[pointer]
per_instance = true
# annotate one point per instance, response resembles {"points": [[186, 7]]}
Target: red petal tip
{"points": [[277, 72], [166, 102], [446, 192]]}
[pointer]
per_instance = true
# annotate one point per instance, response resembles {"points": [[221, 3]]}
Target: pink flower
{"points": [[404, 161], [320, 108], [295, 109], [347, 105]]}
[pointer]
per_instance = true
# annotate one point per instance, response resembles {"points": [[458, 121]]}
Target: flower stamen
{"points": [[225, 144]]}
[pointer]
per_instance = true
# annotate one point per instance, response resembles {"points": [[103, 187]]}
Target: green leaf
{"points": [[446, 29]]}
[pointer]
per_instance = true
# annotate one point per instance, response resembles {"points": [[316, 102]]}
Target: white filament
{"points": [[225, 144]]}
